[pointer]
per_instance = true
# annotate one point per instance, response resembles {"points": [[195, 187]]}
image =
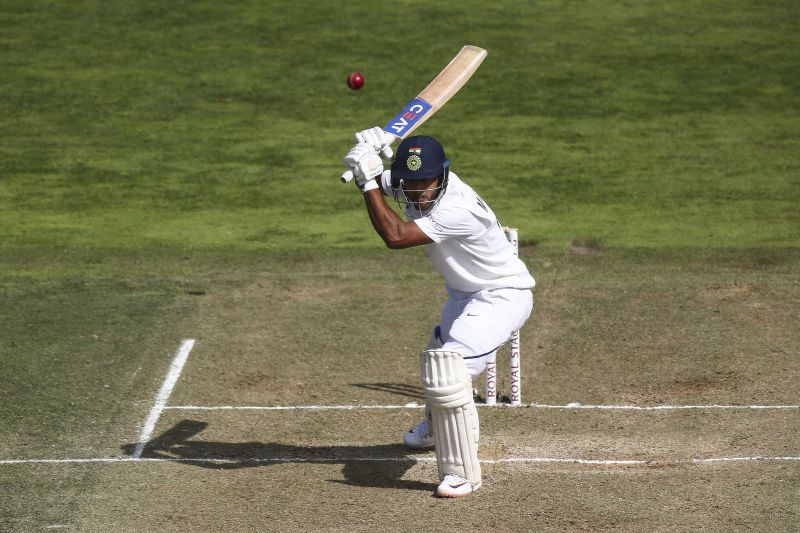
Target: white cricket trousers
{"points": [[476, 324]]}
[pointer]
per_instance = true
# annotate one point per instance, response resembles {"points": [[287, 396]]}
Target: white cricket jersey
{"points": [[470, 249]]}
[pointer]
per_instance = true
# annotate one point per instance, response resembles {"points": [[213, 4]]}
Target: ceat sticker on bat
{"points": [[409, 116]]}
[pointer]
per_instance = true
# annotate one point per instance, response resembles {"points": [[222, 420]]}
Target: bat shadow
{"points": [[381, 466]]}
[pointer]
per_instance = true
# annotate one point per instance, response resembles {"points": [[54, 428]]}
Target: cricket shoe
{"points": [[419, 437], [453, 486]]}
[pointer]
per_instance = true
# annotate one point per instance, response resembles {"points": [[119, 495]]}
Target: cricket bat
{"points": [[435, 95]]}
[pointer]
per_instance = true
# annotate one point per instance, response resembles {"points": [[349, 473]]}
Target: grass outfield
{"points": [[654, 124], [170, 171]]}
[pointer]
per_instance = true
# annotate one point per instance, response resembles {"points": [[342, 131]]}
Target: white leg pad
{"points": [[448, 388], [434, 343]]}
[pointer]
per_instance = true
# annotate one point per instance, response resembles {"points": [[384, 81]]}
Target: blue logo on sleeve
{"points": [[409, 116]]}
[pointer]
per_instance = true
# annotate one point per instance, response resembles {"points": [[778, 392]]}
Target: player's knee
{"points": [[445, 379]]}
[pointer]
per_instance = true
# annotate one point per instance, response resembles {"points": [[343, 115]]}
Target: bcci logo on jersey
{"points": [[409, 116]]}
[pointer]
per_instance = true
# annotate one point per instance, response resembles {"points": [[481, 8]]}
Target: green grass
{"points": [[195, 125]]}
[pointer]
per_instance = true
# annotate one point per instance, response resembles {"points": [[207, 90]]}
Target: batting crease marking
{"points": [[163, 395], [568, 406], [334, 460]]}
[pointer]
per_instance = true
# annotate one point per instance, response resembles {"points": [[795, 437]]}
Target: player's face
{"points": [[421, 192]]}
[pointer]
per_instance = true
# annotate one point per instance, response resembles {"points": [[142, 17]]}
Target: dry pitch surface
{"points": [[254, 434]]}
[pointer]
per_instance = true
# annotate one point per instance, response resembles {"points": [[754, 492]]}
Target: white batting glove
{"points": [[365, 165], [379, 139]]}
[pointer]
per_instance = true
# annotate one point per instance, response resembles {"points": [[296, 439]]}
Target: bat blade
{"points": [[438, 92], [433, 97]]}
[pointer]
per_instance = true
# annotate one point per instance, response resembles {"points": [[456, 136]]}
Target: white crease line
{"points": [[568, 406], [289, 407], [637, 461], [163, 395], [428, 459], [660, 407], [70, 461]]}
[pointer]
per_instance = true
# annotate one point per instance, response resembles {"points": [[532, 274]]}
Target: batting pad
{"points": [[448, 389]]}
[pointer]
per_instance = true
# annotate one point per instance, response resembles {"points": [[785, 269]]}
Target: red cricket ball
{"points": [[355, 81]]}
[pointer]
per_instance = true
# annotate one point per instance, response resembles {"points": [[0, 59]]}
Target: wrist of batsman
{"points": [[370, 185]]}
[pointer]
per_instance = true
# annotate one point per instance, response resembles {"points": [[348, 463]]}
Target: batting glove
{"points": [[379, 139], [365, 165]]}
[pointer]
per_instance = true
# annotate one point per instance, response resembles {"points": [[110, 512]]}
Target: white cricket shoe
{"points": [[419, 437], [453, 486]]}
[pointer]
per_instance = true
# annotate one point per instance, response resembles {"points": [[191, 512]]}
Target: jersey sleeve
{"points": [[385, 181], [446, 222]]}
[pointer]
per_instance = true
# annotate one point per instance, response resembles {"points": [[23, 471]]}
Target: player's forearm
{"points": [[385, 221]]}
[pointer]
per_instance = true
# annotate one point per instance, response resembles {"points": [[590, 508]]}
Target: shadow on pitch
{"points": [[401, 389], [364, 466]]}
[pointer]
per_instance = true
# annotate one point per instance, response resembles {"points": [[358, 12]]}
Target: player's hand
{"points": [[379, 139], [365, 165]]}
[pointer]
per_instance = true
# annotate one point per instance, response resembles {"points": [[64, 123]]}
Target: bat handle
{"points": [[347, 176]]}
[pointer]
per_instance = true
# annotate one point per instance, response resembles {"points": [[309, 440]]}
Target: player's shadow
{"points": [[365, 466], [400, 389]]}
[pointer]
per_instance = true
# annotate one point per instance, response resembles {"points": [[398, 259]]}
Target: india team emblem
{"points": [[414, 161]]}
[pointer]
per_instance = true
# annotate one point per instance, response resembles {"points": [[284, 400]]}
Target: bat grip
{"points": [[347, 176]]}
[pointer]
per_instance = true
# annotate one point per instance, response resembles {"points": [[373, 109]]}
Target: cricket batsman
{"points": [[489, 288]]}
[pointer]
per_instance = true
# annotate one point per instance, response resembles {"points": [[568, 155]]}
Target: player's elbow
{"points": [[404, 236], [397, 241], [391, 236], [394, 244]]}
